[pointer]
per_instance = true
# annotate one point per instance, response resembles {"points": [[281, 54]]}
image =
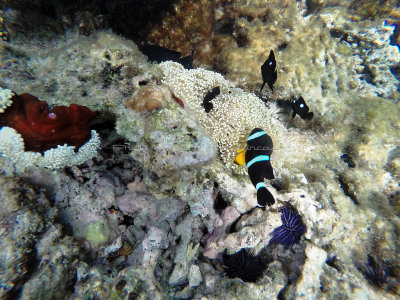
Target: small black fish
{"points": [[300, 107], [211, 94], [258, 152], [269, 72], [159, 54], [187, 61]]}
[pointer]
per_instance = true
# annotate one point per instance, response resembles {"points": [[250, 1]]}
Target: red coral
{"points": [[43, 128]]}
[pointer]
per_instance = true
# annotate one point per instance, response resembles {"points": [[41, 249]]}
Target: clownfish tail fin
{"points": [[264, 197]]}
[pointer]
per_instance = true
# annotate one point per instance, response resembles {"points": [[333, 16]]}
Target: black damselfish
{"points": [[258, 152], [159, 54], [300, 107], [208, 106], [269, 72]]}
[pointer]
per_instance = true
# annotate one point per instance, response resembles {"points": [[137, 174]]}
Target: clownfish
{"points": [[257, 158]]}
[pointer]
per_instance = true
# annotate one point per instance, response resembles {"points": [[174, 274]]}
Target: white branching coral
{"points": [[5, 98], [234, 115], [12, 149]]}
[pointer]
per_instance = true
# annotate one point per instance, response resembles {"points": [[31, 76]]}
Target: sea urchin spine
{"points": [[292, 228]]}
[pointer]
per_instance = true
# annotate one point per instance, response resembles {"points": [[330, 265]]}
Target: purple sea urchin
{"points": [[374, 272], [292, 228], [244, 265]]}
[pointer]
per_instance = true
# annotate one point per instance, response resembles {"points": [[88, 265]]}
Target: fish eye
{"points": [[301, 105], [270, 63]]}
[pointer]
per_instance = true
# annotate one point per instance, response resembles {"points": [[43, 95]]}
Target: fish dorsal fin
{"points": [[240, 158]]}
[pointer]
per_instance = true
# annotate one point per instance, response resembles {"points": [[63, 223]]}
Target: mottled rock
{"points": [[24, 215], [186, 253], [229, 215], [148, 98], [255, 236], [55, 275], [195, 278], [309, 284], [171, 146]]}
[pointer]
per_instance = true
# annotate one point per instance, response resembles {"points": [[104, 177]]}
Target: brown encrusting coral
{"points": [[191, 24]]}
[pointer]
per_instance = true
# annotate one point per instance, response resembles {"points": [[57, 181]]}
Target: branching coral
{"points": [[31, 134], [12, 149], [5, 99]]}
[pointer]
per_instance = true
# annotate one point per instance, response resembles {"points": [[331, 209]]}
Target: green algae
{"points": [[97, 233]]}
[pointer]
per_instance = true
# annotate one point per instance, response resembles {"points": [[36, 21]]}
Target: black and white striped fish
{"points": [[257, 157]]}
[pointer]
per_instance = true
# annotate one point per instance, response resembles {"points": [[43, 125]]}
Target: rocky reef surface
{"points": [[162, 209]]}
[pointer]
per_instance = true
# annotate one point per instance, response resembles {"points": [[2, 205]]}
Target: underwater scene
{"points": [[199, 149]]}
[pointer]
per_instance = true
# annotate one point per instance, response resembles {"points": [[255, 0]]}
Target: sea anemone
{"points": [[292, 227], [244, 265]]}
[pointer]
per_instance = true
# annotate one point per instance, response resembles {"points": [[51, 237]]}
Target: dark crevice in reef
{"points": [[241, 36], [395, 38], [340, 34], [347, 190], [348, 160], [292, 266], [232, 227], [281, 295], [395, 70], [224, 27], [219, 203], [282, 46], [367, 75], [279, 184], [31, 265], [133, 19], [127, 221]]}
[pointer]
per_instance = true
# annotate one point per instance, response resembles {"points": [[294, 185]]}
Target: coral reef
{"points": [[41, 128], [235, 113], [4, 35], [190, 24], [5, 99], [154, 212], [145, 98], [35, 253], [33, 135], [12, 151]]}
